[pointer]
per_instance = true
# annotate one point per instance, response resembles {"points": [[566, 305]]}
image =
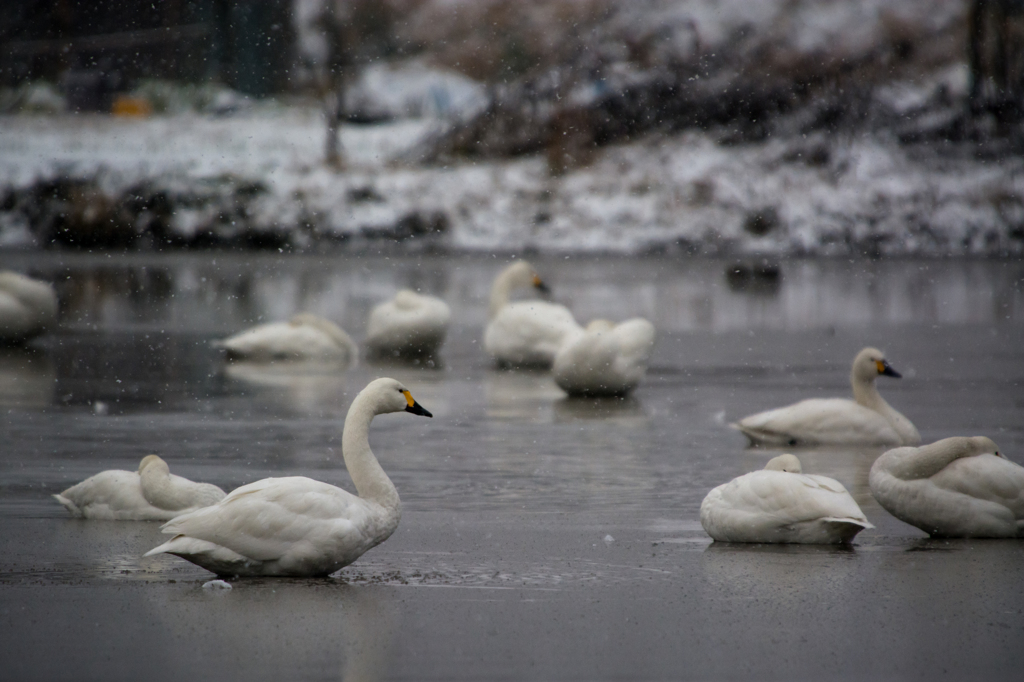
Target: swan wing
{"points": [[986, 478], [408, 321], [819, 420], [268, 519], [635, 340]]}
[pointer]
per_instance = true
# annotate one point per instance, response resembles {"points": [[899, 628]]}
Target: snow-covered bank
{"points": [[257, 179]]}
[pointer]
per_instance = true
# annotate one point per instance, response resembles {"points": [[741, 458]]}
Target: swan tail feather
{"points": [[69, 505]]}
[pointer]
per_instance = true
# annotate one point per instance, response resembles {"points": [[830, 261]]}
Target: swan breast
{"points": [[529, 332]]}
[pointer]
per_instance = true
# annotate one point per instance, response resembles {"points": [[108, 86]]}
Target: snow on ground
{"points": [[825, 195]]}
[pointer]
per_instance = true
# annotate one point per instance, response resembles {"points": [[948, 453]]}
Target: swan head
{"points": [[870, 363], [984, 446], [389, 395], [153, 463], [522, 274], [787, 463]]}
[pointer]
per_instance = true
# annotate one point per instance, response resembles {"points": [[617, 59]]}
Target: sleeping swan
{"points": [[152, 493], [409, 325], [865, 420], [781, 504], [525, 333], [296, 526], [304, 337], [28, 307], [956, 487], [605, 358]]}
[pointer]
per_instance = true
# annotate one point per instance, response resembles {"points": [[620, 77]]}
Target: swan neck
{"points": [[369, 478], [500, 292], [159, 489], [866, 394]]}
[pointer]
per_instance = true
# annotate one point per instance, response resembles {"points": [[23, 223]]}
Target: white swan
{"points": [[297, 526], [605, 358], [865, 420], [304, 337], [409, 325], [28, 307], [525, 333], [781, 504], [956, 487], [152, 493]]}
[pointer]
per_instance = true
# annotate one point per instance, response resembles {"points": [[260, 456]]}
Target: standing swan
{"points": [[304, 337], [28, 307], [605, 358], [409, 325], [525, 333], [955, 487], [865, 420], [781, 504], [152, 493], [296, 526]]}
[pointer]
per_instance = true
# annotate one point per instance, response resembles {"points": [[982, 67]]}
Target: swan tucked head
{"points": [[977, 445], [154, 464], [787, 463], [870, 363], [388, 395], [407, 299]]}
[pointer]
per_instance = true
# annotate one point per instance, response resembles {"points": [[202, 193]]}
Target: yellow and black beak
{"points": [[539, 285], [885, 369], [414, 407]]}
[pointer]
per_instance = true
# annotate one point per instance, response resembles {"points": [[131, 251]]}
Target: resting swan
{"points": [[865, 420], [955, 487], [605, 358], [409, 325], [304, 337], [296, 526], [28, 307], [152, 493], [525, 333], [782, 505]]}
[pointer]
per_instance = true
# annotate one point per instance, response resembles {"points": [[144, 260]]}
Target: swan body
{"points": [[297, 526], [779, 504], [28, 307], [525, 333], [605, 358], [152, 493], [304, 337], [865, 420], [955, 487], [410, 325]]}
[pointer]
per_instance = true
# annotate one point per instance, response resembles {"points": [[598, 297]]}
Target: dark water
{"points": [[542, 537]]}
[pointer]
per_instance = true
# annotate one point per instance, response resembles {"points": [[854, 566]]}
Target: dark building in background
{"points": [[98, 47]]}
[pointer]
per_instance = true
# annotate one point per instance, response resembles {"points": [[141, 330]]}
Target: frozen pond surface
{"points": [[502, 567]]}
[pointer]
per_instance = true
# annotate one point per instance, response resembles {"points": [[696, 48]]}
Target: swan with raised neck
{"points": [[867, 419], [297, 526]]}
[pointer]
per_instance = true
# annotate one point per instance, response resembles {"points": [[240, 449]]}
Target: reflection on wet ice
{"points": [[301, 387], [523, 395], [28, 378], [620, 410]]}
